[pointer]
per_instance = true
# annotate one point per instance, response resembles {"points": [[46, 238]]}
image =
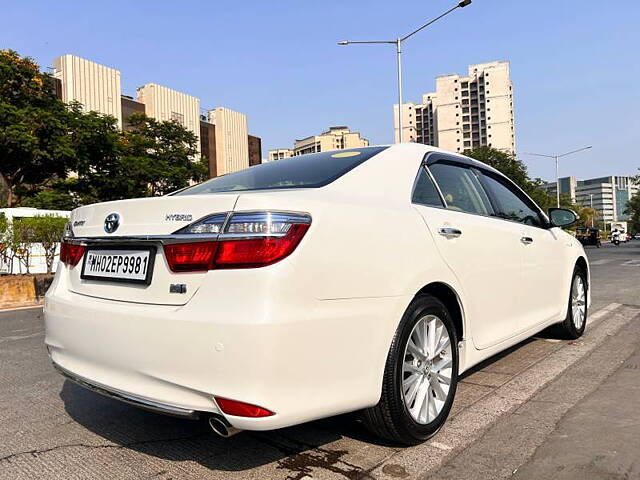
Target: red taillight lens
{"points": [[259, 252], [70, 254], [241, 409], [191, 257]]}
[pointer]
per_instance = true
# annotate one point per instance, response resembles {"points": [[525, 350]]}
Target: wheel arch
{"points": [[581, 263], [447, 295]]}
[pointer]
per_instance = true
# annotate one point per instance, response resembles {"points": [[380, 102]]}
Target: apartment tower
{"points": [[464, 112]]}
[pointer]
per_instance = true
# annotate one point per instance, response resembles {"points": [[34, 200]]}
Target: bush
{"points": [[17, 239]]}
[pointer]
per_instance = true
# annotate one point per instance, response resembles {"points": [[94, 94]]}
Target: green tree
{"points": [[22, 235], [4, 229], [47, 230], [633, 210], [160, 156], [503, 162], [35, 145], [516, 170]]}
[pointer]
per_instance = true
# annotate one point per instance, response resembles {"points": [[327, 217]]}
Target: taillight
{"points": [[190, 257], [241, 409], [258, 252], [244, 240], [70, 253]]}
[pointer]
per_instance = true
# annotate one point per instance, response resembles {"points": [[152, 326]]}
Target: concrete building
{"points": [[222, 134], [608, 195], [279, 154], [336, 138], [464, 112], [227, 143], [95, 86], [255, 150], [164, 104]]}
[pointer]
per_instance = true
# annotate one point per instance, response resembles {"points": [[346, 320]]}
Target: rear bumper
{"points": [[293, 355], [127, 397]]}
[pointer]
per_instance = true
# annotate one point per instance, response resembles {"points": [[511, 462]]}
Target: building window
{"points": [[465, 110], [464, 84], [177, 117], [465, 118], [467, 144]]}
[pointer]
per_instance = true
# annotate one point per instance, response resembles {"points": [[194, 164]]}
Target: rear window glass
{"points": [[304, 171]]}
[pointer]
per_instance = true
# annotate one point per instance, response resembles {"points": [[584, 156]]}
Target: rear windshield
{"points": [[304, 171]]}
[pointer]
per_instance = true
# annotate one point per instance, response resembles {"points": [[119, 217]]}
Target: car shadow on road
{"points": [[296, 450]]}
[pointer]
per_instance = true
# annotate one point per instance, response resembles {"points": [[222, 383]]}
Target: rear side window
{"points": [[461, 189], [424, 191], [304, 171], [510, 205]]}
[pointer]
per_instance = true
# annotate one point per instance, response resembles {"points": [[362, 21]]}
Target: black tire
{"points": [[390, 418], [567, 329]]}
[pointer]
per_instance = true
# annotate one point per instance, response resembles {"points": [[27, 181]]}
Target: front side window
{"points": [[425, 192], [509, 204], [461, 188]]}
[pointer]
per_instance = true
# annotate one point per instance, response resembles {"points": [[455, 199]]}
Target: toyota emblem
{"points": [[111, 223]]}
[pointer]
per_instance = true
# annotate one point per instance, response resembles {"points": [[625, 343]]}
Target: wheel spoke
{"points": [[415, 350], [408, 367], [443, 363], [410, 393]]}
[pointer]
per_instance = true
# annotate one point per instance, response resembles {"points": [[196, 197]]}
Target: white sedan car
{"points": [[365, 279]]}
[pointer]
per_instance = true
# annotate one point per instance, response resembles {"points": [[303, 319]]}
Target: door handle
{"points": [[449, 232], [526, 240]]}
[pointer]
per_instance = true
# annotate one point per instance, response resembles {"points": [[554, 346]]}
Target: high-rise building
{"points": [[223, 137], [336, 138], [165, 104], [464, 112], [231, 140], [94, 86], [608, 195]]}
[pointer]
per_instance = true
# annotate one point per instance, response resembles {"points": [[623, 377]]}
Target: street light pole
{"points": [[399, 62], [557, 158], [398, 43]]}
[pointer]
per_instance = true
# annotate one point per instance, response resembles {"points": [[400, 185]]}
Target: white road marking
{"points": [[602, 261], [631, 263]]}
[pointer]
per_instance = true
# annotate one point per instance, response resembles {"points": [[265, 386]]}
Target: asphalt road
{"points": [[542, 389]]}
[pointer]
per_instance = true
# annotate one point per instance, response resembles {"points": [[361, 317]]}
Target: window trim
{"points": [[432, 158], [423, 167], [460, 163]]}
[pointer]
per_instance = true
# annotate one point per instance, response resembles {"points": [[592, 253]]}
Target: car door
{"points": [[482, 251], [542, 252]]}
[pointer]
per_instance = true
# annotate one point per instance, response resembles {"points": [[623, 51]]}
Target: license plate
{"points": [[121, 264]]}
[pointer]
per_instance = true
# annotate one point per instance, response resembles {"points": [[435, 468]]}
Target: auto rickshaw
{"points": [[589, 236]]}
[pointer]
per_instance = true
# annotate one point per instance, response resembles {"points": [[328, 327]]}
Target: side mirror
{"points": [[562, 217]]}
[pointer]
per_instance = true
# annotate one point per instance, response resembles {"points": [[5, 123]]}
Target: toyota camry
{"points": [[357, 280]]}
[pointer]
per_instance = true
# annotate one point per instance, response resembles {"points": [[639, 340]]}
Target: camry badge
{"points": [[111, 223]]}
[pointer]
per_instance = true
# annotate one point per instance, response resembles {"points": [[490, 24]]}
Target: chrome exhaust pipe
{"points": [[221, 427]]}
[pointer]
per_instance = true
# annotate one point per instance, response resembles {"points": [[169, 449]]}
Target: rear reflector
{"points": [[70, 254], [191, 257], [241, 409]]}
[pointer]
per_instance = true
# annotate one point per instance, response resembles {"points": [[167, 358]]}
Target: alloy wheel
{"points": [[427, 369], [578, 302]]}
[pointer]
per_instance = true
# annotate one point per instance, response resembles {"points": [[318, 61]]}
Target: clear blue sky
{"points": [[575, 64]]}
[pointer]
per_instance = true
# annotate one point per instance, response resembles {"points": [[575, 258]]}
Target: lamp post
{"points": [[556, 158], [398, 43]]}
